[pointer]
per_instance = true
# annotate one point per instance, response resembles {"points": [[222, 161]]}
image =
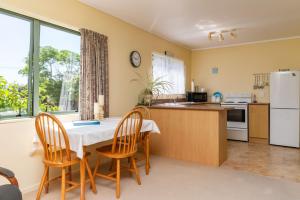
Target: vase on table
{"points": [[148, 99]]}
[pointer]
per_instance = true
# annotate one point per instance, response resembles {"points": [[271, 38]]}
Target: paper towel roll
{"points": [[193, 86]]}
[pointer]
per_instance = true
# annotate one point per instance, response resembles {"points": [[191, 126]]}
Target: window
{"points": [[171, 70], [59, 70], [14, 48], [39, 67]]}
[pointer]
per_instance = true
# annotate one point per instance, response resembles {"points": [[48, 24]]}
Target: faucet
{"points": [[175, 99], [172, 99]]}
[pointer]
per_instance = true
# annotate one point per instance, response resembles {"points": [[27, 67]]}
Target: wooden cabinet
{"points": [[190, 135], [259, 122]]}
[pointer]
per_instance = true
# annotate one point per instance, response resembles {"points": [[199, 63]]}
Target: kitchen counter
{"points": [[191, 131], [259, 103], [190, 106]]}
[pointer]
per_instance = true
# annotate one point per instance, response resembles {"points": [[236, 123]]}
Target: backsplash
{"points": [[262, 95]]}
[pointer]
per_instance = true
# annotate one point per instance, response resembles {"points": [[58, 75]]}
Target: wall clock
{"points": [[135, 59]]}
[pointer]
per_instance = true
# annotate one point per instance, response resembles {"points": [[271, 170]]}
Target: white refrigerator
{"points": [[285, 108]]}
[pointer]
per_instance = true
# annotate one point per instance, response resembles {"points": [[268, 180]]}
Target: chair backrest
{"points": [[53, 137], [144, 110], [127, 133]]}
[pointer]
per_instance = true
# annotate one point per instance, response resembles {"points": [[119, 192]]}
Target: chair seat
{"points": [[74, 160], [10, 192], [106, 151]]}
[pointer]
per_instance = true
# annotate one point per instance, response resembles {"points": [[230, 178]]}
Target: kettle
{"points": [[217, 97]]}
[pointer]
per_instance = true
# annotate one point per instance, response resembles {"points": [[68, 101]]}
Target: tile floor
{"points": [[263, 159]]}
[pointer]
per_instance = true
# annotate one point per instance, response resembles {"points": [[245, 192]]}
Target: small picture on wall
{"points": [[214, 70]]}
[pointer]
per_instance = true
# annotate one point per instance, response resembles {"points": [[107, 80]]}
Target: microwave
{"points": [[196, 96]]}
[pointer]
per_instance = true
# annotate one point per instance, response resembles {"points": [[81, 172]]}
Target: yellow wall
{"points": [[16, 138], [16, 146], [237, 64], [122, 39]]}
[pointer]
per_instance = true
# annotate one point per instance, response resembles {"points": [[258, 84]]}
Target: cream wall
{"points": [[16, 147], [16, 138], [237, 64], [122, 39]]}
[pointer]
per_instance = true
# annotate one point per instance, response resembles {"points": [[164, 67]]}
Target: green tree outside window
{"points": [[59, 83]]}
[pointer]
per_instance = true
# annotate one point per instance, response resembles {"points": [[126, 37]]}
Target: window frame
{"points": [[34, 68], [168, 96]]}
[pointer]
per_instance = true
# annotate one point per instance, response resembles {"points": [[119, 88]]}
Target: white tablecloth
{"points": [[80, 136]]}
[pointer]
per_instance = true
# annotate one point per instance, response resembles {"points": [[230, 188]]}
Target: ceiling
{"points": [[188, 22]]}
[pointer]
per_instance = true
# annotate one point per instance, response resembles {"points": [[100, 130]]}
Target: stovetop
{"points": [[234, 102], [237, 99]]}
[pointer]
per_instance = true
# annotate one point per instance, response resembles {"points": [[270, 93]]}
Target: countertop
{"points": [[190, 106], [259, 103]]}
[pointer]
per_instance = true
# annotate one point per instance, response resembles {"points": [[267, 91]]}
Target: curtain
{"points": [[93, 73], [171, 70]]}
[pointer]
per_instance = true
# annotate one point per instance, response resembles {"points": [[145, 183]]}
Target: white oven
{"points": [[237, 121], [237, 115]]}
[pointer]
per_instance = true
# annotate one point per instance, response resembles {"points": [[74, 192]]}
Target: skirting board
{"points": [[35, 186]]}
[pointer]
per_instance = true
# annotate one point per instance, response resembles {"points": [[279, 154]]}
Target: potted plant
{"points": [[152, 87]]}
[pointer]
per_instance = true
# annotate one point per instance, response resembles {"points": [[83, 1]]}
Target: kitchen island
{"points": [[191, 132]]}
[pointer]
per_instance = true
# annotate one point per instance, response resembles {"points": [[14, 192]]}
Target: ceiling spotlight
{"points": [[210, 35], [233, 35], [221, 37]]}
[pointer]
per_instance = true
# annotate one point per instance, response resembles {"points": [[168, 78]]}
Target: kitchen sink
{"points": [[181, 104]]}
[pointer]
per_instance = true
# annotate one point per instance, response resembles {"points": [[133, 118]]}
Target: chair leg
{"points": [[147, 156], [70, 174], [96, 167], [47, 182], [90, 176], [38, 196], [147, 153], [63, 183], [118, 179], [136, 170], [82, 179]]}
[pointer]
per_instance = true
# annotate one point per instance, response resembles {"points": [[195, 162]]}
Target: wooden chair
{"points": [[57, 153], [123, 146], [144, 111], [9, 191], [143, 137]]}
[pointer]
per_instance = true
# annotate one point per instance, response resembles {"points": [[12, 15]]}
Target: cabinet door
{"points": [[259, 121]]}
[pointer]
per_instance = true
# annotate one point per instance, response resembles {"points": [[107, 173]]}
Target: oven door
{"points": [[237, 117]]}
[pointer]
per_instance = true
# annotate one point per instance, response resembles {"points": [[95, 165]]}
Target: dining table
{"points": [[83, 136]]}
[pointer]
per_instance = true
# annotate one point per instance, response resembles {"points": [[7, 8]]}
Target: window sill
{"points": [[15, 120], [24, 119]]}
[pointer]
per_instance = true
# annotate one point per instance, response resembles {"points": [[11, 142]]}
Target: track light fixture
{"points": [[220, 35]]}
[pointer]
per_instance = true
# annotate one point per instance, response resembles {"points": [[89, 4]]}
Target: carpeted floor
{"points": [[178, 180]]}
